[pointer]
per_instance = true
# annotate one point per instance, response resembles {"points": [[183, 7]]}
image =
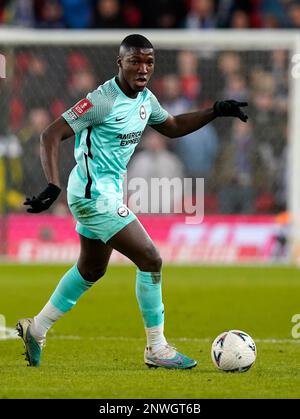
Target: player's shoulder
{"points": [[105, 91], [149, 96]]}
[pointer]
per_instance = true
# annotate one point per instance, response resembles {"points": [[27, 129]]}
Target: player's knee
{"points": [[93, 274], [152, 261]]}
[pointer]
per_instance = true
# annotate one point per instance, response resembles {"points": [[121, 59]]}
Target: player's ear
{"points": [[119, 61]]}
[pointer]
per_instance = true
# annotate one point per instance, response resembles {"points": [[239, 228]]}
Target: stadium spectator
{"points": [[236, 87], [77, 61], [132, 15], [273, 13], [17, 112], [239, 20], [188, 71], [201, 15], [108, 14], [294, 14], [77, 13], [22, 13], [39, 86], [229, 63], [4, 11], [11, 198], [81, 81], [235, 171], [49, 14], [172, 96], [198, 151], [270, 21], [29, 136], [228, 9], [269, 124], [162, 13]]}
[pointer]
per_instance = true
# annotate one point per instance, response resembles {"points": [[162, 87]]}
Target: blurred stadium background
{"points": [[206, 50]]}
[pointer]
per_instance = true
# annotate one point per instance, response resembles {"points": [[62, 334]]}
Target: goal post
{"points": [[294, 153], [204, 42], [218, 39]]}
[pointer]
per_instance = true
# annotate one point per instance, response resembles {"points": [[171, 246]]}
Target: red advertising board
{"points": [[218, 239]]}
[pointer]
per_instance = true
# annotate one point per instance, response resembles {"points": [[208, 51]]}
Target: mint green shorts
{"points": [[99, 218]]}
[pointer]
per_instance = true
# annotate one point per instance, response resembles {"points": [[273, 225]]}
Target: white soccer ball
{"points": [[233, 351]]}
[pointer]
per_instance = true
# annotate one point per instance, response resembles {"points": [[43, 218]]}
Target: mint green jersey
{"points": [[108, 125]]}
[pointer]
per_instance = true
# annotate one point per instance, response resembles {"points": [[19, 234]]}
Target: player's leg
{"points": [[93, 259], [91, 265], [134, 242]]}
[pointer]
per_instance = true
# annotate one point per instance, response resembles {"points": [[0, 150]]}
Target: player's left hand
{"points": [[230, 108], [44, 200]]}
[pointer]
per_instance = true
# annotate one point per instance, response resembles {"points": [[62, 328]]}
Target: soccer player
{"points": [[108, 125]]}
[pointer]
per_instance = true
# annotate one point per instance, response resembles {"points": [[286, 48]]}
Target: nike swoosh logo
{"points": [[120, 119]]}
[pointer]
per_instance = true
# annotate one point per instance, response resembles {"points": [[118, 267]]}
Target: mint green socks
{"points": [[149, 296], [69, 289], [73, 285]]}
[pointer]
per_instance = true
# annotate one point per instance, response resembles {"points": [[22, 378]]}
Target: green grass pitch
{"points": [[96, 350]]}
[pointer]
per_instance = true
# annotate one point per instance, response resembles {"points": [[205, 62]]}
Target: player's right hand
{"points": [[44, 200]]}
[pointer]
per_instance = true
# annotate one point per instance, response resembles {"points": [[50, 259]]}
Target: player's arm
{"points": [[180, 125], [50, 140], [83, 114]]}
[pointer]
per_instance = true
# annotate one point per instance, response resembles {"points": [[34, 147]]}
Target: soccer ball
{"points": [[233, 351]]}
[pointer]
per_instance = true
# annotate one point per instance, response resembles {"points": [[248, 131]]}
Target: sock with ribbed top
{"points": [[149, 296], [68, 291]]}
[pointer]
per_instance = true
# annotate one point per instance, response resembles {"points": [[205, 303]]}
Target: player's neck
{"points": [[126, 89]]}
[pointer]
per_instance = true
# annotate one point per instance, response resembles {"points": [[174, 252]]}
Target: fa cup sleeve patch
{"points": [[82, 107]]}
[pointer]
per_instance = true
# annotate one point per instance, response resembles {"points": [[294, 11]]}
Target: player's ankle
{"points": [[38, 333], [155, 337], [158, 347]]}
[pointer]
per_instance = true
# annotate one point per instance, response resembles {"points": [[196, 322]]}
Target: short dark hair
{"points": [[136, 41]]}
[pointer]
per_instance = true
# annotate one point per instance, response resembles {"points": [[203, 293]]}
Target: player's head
{"points": [[135, 62]]}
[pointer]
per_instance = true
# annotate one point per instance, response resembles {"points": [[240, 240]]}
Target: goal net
{"points": [[248, 169]]}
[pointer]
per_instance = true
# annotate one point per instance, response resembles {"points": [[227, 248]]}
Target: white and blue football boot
{"points": [[33, 348], [168, 357]]}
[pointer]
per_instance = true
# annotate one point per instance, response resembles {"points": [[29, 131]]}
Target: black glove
{"points": [[230, 108], [44, 200]]}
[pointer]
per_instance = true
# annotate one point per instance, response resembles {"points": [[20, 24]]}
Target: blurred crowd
{"points": [[244, 165], [190, 14]]}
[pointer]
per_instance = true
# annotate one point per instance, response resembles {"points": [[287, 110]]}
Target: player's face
{"points": [[136, 68]]}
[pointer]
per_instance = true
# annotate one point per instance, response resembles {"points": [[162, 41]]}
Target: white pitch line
{"points": [[10, 333], [180, 339]]}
